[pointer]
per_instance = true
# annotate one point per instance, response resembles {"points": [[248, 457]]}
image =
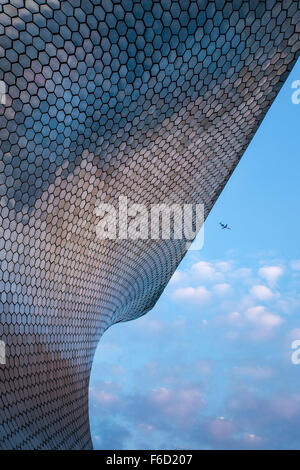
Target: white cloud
{"points": [[211, 271], [221, 289], [194, 294], [223, 266], [271, 273], [177, 276], [144, 427], [262, 318], [257, 322], [288, 304], [204, 270], [286, 406], [252, 439], [179, 404], [221, 428], [105, 394], [234, 317], [261, 292]]}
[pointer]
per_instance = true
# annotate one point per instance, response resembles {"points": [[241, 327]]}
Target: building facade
{"points": [[152, 100]]}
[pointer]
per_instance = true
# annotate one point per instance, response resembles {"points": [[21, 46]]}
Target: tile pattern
{"points": [[155, 100]]}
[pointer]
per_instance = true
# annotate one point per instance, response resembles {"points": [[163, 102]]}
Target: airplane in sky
{"points": [[225, 226]]}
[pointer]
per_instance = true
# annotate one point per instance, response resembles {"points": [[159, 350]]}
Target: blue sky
{"points": [[210, 366]]}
